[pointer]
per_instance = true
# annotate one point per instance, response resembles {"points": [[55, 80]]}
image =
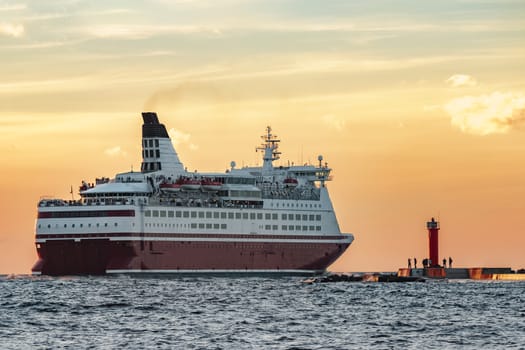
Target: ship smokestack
{"points": [[158, 153]]}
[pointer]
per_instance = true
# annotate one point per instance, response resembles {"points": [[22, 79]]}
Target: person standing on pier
{"points": [[415, 263], [449, 262], [444, 262], [409, 263]]}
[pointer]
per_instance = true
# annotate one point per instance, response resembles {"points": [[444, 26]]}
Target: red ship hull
{"points": [[98, 256]]}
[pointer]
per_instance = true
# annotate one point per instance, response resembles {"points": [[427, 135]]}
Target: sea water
{"points": [[257, 313]]}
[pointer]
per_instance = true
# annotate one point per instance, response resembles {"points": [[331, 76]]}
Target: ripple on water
{"points": [[258, 312]]}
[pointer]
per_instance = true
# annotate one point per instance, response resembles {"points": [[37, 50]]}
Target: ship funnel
{"points": [[158, 154]]}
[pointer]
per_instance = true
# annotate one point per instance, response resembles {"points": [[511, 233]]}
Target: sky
{"points": [[418, 106]]}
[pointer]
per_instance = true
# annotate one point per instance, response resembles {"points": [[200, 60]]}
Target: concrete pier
{"points": [[474, 273]]}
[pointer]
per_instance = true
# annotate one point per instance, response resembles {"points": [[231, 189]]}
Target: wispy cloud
{"points": [[13, 30], [335, 122], [461, 80], [498, 112], [130, 31], [14, 7], [179, 137], [115, 152]]}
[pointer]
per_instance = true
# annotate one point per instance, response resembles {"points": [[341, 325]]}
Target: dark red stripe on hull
{"points": [[67, 257]]}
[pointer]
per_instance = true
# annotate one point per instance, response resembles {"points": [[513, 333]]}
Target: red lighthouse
{"points": [[433, 242]]}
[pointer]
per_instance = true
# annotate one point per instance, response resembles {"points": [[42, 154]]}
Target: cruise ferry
{"points": [[164, 219]]}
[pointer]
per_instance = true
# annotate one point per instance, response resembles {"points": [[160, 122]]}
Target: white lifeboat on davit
{"points": [[170, 187], [211, 185], [189, 184]]}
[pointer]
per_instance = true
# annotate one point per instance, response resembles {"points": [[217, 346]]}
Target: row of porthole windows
{"points": [[229, 215], [81, 225], [292, 228], [208, 226], [297, 205]]}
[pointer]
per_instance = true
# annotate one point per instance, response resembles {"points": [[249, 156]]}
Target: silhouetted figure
{"points": [[449, 262], [415, 263], [409, 263], [444, 262], [425, 262]]}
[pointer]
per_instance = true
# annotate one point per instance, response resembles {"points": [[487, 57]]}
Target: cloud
{"points": [[15, 7], [115, 152], [131, 32], [14, 30], [179, 137], [460, 80], [498, 112], [334, 122]]}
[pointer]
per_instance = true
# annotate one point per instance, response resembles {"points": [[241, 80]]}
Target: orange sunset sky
{"points": [[418, 106]]}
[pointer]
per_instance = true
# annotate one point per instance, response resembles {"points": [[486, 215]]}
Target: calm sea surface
{"points": [[257, 313]]}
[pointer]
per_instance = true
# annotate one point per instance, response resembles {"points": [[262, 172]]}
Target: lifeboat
{"points": [[291, 182], [210, 185], [189, 184], [170, 187]]}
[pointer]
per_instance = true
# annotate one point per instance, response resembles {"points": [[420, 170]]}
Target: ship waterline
{"points": [[165, 220]]}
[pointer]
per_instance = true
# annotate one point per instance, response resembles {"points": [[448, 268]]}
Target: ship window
{"points": [[290, 227], [267, 227], [275, 227], [156, 143], [73, 225], [305, 228], [81, 225], [237, 215], [208, 215], [201, 214], [284, 227], [223, 215], [89, 225], [116, 224], [216, 215], [311, 217], [48, 226], [274, 216], [157, 153], [162, 213], [259, 216], [318, 217], [283, 216], [230, 215], [145, 143], [186, 214], [311, 228], [223, 226], [208, 226], [245, 216], [297, 217], [65, 225], [201, 225], [170, 213], [193, 225], [267, 216], [151, 143], [216, 226], [297, 228], [318, 228], [305, 217], [177, 214], [252, 216], [155, 213], [193, 214]]}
